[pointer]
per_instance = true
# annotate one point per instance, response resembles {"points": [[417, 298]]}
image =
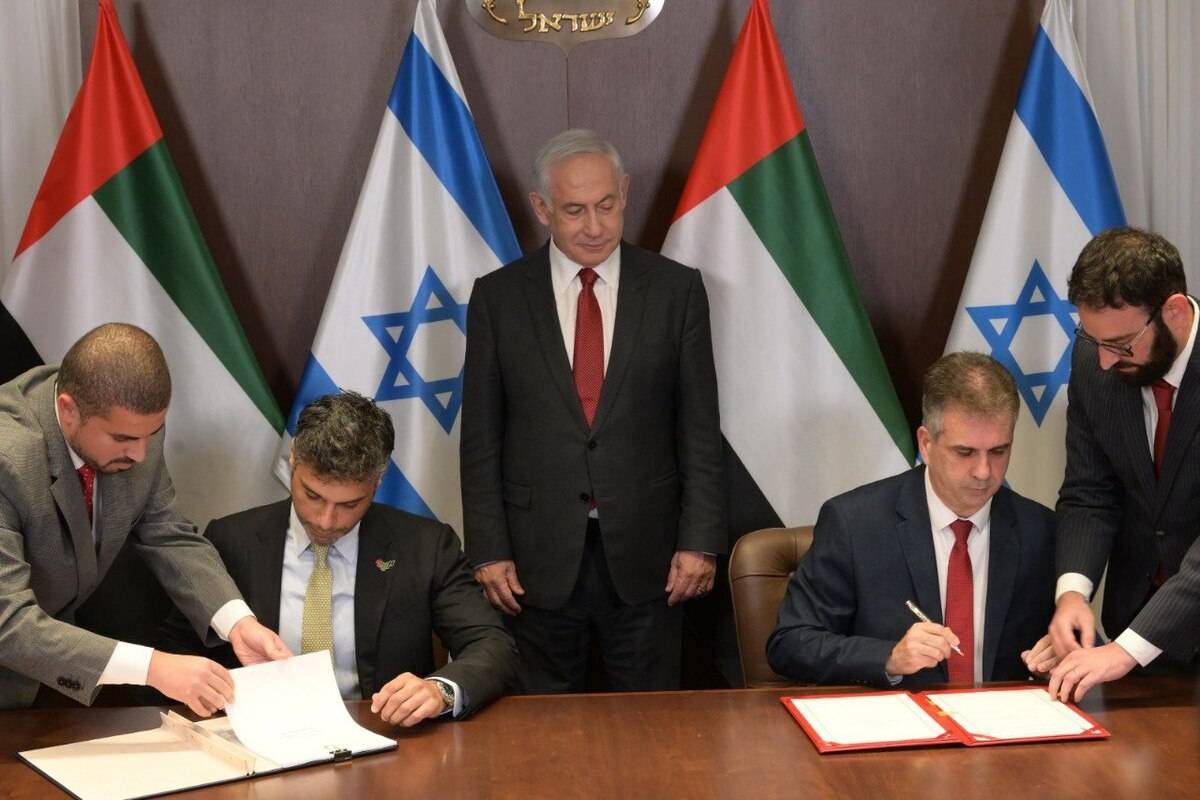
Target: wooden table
{"points": [[690, 745]]}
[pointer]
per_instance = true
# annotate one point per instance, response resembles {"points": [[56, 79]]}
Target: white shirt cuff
{"points": [[1074, 582], [460, 697], [229, 615], [1142, 651], [129, 663]]}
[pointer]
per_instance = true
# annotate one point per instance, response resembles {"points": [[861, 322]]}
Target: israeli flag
{"points": [[429, 221], [1054, 190]]}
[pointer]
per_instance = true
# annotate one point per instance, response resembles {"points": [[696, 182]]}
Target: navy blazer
{"points": [[873, 549]]}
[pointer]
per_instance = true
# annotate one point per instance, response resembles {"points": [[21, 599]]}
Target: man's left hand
{"points": [[692, 574], [254, 643], [1082, 669], [406, 700]]}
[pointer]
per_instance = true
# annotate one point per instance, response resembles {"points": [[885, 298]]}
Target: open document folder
{"points": [[286, 714], [875, 720]]}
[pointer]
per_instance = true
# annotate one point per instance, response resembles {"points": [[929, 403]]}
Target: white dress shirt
{"points": [[1130, 641], [564, 279], [978, 540], [130, 663]]}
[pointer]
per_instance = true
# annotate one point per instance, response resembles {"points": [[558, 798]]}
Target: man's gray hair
{"points": [[972, 382], [569, 143], [344, 437]]}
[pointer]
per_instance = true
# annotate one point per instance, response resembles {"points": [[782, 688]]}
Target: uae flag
{"points": [[807, 405], [111, 237]]}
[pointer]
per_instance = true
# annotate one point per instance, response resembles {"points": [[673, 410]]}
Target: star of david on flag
{"points": [[1000, 325], [433, 303], [429, 221], [1054, 191]]}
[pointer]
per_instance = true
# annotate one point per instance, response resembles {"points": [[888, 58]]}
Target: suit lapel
{"points": [[372, 578], [67, 491], [116, 516], [916, 540], [1127, 408], [262, 593], [1004, 554], [539, 296], [1185, 418], [631, 302]]}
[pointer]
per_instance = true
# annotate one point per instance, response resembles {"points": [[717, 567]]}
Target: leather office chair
{"points": [[759, 568]]}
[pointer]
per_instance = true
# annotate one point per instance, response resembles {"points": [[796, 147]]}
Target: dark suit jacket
{"points": [[49, 562], [872, 550], [428, 590], [1113, 508], [652, 460]]}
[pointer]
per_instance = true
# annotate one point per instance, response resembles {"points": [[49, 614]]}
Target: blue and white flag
{"points": [[429, 221], [1054, 191]]}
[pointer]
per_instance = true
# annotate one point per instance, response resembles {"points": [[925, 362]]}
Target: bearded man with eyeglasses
{"points": [[1131, 494]]}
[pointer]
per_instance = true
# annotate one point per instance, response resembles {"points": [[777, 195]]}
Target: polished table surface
{"points": [[731, 743]]}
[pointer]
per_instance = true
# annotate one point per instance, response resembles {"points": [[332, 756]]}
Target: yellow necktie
{"points": [[317, 630]]}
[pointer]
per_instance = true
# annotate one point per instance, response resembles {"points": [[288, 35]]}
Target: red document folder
{"points": [[957, 719]]}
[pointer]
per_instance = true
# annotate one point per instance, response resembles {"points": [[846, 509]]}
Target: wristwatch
{"points": [[447, 695]]}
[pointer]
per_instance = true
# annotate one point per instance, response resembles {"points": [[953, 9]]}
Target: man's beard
{"points": [[1163, 351]]}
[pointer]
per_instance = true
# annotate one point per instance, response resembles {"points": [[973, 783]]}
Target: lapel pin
{"points": [[384, 566]]}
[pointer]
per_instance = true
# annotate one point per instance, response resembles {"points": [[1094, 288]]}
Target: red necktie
{"points": [[1163, 394], [960, 605], [87, 478], [588, 365]]}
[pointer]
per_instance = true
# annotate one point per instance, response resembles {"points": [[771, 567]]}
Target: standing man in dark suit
{"points": [[1131, 495], [81, 470], [591, 445], [332, 570], [976, 557]]}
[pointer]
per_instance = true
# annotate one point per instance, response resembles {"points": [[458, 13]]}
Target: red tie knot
{"points": [[1164, 393], [87, 477], [587, 276], [962, 529]]}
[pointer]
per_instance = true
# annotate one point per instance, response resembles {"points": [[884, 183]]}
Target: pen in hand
{"points": [[919, 614]]}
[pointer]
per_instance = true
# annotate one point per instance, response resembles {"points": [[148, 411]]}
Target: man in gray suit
{"points": [[81, 469], [1131, 495], [591, 446]]}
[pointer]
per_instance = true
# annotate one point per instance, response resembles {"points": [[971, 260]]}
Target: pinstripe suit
{"points": [[49, 562], [1112, 508]]}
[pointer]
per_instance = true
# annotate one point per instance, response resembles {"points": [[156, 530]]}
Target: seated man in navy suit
{"points": [[332, 570], [975, 557]]}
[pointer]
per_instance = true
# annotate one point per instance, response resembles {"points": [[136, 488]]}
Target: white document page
{"points": [[1011, 714], [890, 717], [137, 764], [292, 713]]}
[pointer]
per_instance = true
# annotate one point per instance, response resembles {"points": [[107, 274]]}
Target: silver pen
{"points": [[919, 614]]}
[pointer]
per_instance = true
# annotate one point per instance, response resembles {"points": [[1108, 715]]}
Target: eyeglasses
{"points": [[1123, 350]]}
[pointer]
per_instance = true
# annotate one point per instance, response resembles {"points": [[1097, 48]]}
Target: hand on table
{"points": [[1084, 668], [406, 700]]}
